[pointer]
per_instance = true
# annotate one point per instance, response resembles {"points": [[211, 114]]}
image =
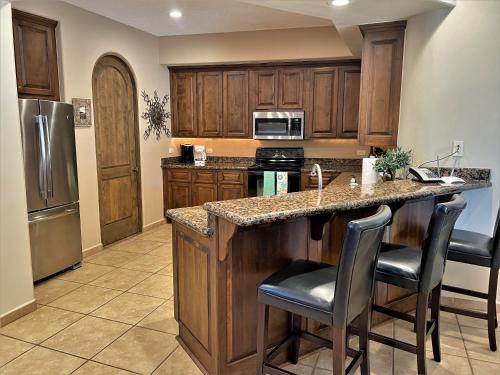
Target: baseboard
{"points": [[17, 313], [92, 250], [156, 224]]}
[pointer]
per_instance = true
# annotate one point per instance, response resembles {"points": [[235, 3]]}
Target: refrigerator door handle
{"points": [[42, 168], [50, 184], [38, 218]]}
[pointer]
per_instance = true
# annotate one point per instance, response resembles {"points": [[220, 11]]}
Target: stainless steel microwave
{"points": [[278, 125]]}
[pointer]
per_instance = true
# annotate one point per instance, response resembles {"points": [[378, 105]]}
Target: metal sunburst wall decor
{"points": [[155, 115]]}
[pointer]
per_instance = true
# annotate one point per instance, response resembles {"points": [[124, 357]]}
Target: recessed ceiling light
{"points": [[340, 3], [174, 13]]}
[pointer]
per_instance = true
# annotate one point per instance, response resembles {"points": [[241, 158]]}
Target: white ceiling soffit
{"points": [[358, 12], [199, 16]]}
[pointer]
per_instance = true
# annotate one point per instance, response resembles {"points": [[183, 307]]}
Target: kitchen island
{"points": [[223, 250]]}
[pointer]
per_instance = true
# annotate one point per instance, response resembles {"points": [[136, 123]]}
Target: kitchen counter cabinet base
{"points": [[216, 278]]}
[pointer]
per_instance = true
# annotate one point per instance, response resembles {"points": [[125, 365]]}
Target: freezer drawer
{"points": [[55, 240]]}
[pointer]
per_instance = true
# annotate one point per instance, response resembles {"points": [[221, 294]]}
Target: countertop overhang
{"points": [[337, 196]]}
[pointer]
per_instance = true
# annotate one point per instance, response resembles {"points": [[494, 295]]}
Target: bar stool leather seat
{"points": [[399, 265], [301, 286], [472, 248]]}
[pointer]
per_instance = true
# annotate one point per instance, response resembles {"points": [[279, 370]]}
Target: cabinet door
{"points": [[209, 103], [227, 192], [380, 91], [291, 87], [348, 103], [322, 119], [36, 56], [183, 87], [264, 89], [236, 120], [179, 194], [203, 193]]}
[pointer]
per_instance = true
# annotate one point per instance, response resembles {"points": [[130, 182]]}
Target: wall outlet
{"points": [[460, 146], [170, 150], [210, 150], [360, 152]]}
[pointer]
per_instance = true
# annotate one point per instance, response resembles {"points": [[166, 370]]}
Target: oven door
{"points": [[256, 183]]}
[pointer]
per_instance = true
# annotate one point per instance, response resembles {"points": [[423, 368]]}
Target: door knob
{"points": [[135, 169]]}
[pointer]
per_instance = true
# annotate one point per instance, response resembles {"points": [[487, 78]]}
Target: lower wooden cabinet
{"points": [[194, 187], [227, 192], [179, 194], [202, 193]]}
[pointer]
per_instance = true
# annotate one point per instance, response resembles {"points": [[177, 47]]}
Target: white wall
{"points": [[451, 91], [82, 38], [16, 286]]}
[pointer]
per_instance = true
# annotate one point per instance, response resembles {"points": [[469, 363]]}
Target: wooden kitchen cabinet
{"points": [[227, 192], [35, 55], [194, 187], [179, 194], [348, 101], [202, 193], [209, 103], [183, 93], [264, 89], [308, 182], [380, 91], [235, 117], [291, 88], [323, 93]]}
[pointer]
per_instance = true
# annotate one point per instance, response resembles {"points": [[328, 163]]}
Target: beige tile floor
{"points": [[114, 315]]}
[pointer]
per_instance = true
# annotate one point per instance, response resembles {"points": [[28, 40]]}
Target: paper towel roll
{"points": [[368, 173]]}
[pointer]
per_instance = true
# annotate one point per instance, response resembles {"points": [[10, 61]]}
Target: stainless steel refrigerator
{"points": [[48, 135]]}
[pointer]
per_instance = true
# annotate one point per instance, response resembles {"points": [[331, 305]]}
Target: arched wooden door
{"points": [[117, 149]]}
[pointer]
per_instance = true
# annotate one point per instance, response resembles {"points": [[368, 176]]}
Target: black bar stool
{"points": [[328, 294], [421, 272], [480, 250]]}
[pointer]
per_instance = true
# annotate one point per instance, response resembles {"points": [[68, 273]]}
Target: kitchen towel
{"points": [[269, 183], [281, 183], [368, 173]]}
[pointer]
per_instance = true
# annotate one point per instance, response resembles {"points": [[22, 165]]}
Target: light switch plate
{"points": [[171, 150], [210, 151]]}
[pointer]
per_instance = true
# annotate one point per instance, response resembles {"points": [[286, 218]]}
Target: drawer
{"points": [[231, 177], [179, 175], [206, 177], [309, 181]]}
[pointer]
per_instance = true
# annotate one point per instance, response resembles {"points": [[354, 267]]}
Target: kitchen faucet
{"points": [[316, 171]]}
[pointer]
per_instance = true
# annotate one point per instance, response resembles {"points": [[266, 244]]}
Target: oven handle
{"points": [[261, 173]]}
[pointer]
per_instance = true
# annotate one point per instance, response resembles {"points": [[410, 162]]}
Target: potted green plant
{"points": [[392, 161]]}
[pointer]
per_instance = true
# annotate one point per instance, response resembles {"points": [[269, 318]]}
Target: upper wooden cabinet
{"points": [[348, 101], [323, 93], [183, 90], [219, 101], [381, 70], [291, 88], [209, 103], [264, 89], [235, 118], [36, 56]]}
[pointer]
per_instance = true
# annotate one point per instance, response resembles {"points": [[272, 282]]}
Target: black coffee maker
{"points": [[187, 155]]}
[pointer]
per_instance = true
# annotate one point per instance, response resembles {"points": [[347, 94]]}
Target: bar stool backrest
{"points": [[496, 241], [437, 240], [356, 272]]}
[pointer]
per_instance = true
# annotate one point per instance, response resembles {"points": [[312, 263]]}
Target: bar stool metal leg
{"points": [[435, 302], [262, 325], [421, 323], [364, 341], [294, 348], [492, 308]]}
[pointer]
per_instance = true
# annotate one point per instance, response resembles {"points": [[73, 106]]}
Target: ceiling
{"points": [[213, 16]]}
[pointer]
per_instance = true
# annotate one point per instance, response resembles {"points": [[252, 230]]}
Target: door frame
{"points": [[130, 72]]}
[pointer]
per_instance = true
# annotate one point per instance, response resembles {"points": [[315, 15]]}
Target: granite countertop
{"points": [[337, 196], [195, 218], [242, 163]]}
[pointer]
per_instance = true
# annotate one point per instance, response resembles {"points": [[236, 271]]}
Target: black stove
{"points": [[275, 159], [278, 159]]}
